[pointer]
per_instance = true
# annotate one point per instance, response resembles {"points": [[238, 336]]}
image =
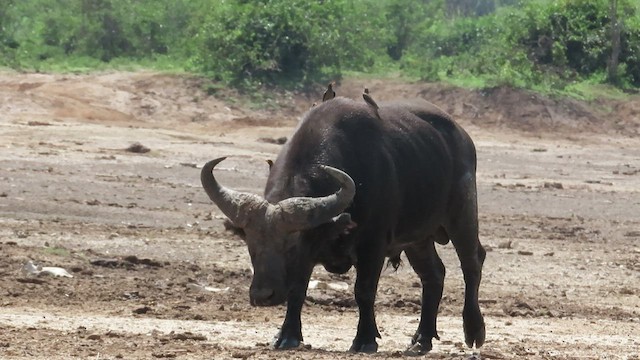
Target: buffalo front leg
{"points": [[368, 267], [290, 335], [427, 264]]}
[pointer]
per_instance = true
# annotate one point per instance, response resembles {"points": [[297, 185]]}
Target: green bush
{"points": [[286, 41], [536, 44], [100, 29], [539, 44]]}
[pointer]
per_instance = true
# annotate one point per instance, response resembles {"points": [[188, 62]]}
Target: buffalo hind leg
{"points": [[463, 231], [368, 268], [427, 264], [290, 335]]}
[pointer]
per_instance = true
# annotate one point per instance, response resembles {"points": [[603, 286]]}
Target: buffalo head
{"points": [[271, 229]]}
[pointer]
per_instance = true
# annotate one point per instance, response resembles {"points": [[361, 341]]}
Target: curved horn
{"points": [[239, 207], [299, 213]]}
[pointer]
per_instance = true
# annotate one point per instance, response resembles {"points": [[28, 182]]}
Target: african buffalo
{"points": [[353, 185]]}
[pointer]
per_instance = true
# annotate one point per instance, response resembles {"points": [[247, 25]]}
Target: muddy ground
{"points": [[155, 275]]}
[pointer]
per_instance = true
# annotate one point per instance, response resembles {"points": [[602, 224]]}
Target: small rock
{"points": [[108, 263], [138, 148], [93, 337], [191, 165], [142, 310], [31, 269], [144, 261], [491, 354], [241, 355], [627, 291], [38, 123], [323, 285], [131, 295], [202, 288], [78, 269], [507, 244], [553, 185], [188, 336], [399, 304], [554, 314], [526, 253], [112, 334], [164, 355], [487, 301], [269, 140], [518, 308], [31, 281]]}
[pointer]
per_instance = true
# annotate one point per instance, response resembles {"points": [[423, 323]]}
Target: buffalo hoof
{"points": [[420, 345], [369, 348], [474, 335], [286, 342], [417, 349]]}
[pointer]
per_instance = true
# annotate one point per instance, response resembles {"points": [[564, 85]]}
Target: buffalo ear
{"points": [[338, 251], [338, 227], [343, 224], [332, 231], [234, 229]]}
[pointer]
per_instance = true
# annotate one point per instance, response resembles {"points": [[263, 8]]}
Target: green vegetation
{"points": [[544, 45], [559, 46], [59, 251]]}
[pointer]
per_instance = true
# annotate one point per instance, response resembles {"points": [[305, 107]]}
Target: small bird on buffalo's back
{"points": [[329, 94], [369, 100]]}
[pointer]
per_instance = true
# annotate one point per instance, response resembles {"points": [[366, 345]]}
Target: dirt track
{"points": [[559, 207]]}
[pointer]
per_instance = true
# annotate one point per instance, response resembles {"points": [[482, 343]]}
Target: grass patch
{"points": [[57, 251], [86, 64], [587, 91], [467, 82]]}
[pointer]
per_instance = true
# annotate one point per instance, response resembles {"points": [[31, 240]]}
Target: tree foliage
{"points": [[300, 40], [526, 43], [533, 43]]}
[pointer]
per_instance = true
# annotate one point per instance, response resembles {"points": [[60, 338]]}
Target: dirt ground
{"points": [[155, 275]]}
